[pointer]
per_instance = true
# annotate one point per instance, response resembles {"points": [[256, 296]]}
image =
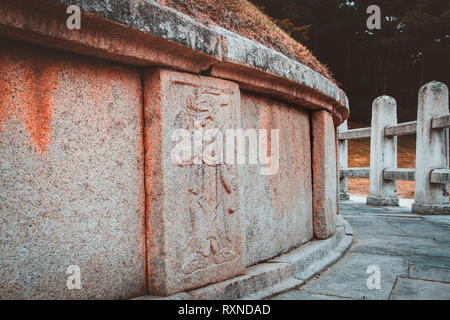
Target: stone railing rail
{"points": [[431, 174]]}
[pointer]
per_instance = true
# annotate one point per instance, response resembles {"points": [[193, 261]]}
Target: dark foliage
{"points": [[411, 49]]}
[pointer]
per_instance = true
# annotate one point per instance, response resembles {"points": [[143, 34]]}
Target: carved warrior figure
{"points": [[212, 188]]}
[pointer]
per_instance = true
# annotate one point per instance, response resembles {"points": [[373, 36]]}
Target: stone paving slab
{"points": [[431, 273], [348, 277], [421, 228], [415, 289], [431, 261], [412, 252], [304, 295], [442, 249], [393, 245], [373, 227], [443, 221]]}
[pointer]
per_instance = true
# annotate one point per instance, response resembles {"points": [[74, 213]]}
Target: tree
{"points": [[411, 48]]}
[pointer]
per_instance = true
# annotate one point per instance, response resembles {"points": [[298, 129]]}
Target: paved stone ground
{"points": [[411, 251]]}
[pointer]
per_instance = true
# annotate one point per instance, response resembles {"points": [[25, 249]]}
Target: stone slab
{"points": [[341, 222], [382, 201], [278, 206], [419, 228], [324, 174], [133, 32], [195, 209], [146, 33], [439, 220], [414, 289], [393, 245], [304, 295], [71, 176], [267, 280], [348, 277], [369, 227], [256, 279], [379, 240], [431, 261], [241, 50], [176, 296], [281, 274], [279, 288], [431, 209], [430, 273]]}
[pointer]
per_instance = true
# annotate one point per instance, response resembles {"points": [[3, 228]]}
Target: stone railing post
{"points": [[431, 150], [383, 153], [343, 163]]}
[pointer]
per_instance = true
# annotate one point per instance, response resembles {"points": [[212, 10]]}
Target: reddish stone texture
{"points": [[194, 232], [279, 206], [32, 95], [43, 23], [324, 174], [71, 176]]}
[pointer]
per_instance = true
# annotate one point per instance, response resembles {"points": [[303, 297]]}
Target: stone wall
{"points": [[87, 175], [71, 175]]}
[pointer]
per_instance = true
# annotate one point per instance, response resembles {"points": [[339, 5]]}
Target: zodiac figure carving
{"points": [[212, 188]]}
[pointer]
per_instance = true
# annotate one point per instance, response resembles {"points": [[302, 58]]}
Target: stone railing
{"points": [[87, 180], [431, 174]]}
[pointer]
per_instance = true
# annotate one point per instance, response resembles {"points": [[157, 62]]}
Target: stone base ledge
{"points": [[382, 201], [279, 275], [431, 209], [344, 196]]}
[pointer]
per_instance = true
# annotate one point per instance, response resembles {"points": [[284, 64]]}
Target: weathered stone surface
{"points": [[71, 176], [324, 174], [369, 227], [282, 274], [417, 228], [131, 32], [429, 260], [260, 69], [415, 289], [279, 288], [194, 211], [401, 244], [305, 295], [392, 245], [383, 153], [341, 222], [145, 33], [243, 51], [315, 256], [348, 277], [393, 174], [257, 278], [277, 206], [176, 296], [151, 17], [432, 150], [343, 163], [430, 273]]}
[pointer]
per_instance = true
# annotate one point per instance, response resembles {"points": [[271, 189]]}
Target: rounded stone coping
{"points": [[144, 33], [280, 274]]}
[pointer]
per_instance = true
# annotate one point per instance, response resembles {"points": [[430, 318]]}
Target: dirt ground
{"points": [[359, 156]]}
